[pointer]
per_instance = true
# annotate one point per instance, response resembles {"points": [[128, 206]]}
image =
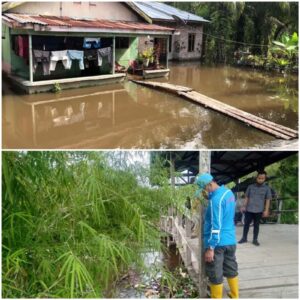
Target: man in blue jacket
{"points": [[219, 236]]}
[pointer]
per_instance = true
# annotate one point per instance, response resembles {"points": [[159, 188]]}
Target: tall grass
{"points": [[72, 223]]}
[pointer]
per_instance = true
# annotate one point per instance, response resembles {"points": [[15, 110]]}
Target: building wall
{"points": [[180, 42], [11, 62], [79, 9], [6, 55], [124, 56]]}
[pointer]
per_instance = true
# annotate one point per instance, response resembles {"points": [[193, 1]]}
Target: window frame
{"points": [[191, 42]]}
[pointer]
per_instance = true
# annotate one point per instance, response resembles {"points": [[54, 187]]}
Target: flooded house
{"points": [[186, 42], [54, 45]]}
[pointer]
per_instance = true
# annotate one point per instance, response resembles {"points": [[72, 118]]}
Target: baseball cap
{"points": [[202, 180]]}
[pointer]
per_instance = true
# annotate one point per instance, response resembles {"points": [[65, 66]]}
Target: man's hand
{"points": [[209, 255], [265, 214], [243, 209]]}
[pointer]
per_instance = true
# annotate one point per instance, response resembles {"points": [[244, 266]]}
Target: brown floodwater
{"points": [[130, 116]]}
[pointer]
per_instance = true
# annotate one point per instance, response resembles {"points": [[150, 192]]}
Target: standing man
{"points": [[219, 236], [257, 203]]}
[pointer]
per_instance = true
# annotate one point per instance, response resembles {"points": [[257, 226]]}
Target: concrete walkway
{"points": [[270, 270]]}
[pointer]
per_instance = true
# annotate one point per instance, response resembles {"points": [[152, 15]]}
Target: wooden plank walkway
{"points": [[269, 127], [267, 271]]}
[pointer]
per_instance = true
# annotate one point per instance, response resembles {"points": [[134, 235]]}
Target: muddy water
{"points": [[130, 116]]}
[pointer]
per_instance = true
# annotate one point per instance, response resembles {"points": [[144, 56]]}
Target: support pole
{"points": [[172, 173], [113, 55], [167, 52], [204, 166], [30, 58], [188, 234], [279, 211]]}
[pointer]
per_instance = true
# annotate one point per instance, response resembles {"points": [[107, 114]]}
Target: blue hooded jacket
{"points": [[219, 228]]}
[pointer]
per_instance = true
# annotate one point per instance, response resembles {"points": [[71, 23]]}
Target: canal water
{"points": [[137, 284], [130, 116]]}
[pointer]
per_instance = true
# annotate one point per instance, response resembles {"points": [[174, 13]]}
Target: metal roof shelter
{"points": [[226, 166], [157, 11], [66, 24]]}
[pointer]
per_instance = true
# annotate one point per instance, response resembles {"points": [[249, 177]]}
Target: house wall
{"points": [[77, 9], [6, 55], [180, 42], [124, 56]]}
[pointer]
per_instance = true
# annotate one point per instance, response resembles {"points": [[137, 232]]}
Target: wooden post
{"points": [[30, 58], [204, 166], [172, 174], [113, 55], [167, 52], [279, 211], [188, 234]]}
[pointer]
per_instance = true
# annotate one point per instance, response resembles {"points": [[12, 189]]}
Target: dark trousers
{"points": [[224, 264], [249, 216]]}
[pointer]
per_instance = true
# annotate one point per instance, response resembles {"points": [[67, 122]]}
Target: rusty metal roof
{"points": [[23, 20]]}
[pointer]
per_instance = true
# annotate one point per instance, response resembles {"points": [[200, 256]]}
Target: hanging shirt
{"points": [[76, 55], [90, 55], [104, 52], [22, 46], [219, 228], [91, 43], [43, 57], [257, 195]]}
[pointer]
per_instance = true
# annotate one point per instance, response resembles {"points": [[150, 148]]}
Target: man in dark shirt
{"points": [[257, 203]]}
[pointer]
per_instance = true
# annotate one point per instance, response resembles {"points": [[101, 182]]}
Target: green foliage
{"points": [[56, 88], [72, 222], [286, 186], [236, 25], [285, 52]]}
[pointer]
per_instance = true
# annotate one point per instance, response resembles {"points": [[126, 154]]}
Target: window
{"points": [[191, 47], [122, 42], [170, 43]]}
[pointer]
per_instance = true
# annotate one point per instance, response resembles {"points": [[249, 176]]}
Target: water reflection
{"points": [[131, 116]]}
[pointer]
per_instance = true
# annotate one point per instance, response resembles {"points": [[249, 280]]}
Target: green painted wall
{"points": [[12, 63], [6, 57], [19, 66], [124, 56]]}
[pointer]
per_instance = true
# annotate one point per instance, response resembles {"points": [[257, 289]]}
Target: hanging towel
{"points": [[104, 52], [59, 56], [43, 57], [76, 55]]}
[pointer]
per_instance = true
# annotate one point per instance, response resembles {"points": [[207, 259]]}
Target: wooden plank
{"points": [[249, 116], [267, 126], [230, 113], [164, 86], [286, 292]]}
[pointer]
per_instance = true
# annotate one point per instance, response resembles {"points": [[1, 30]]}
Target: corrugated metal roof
{"points": [[23, 19], [161, 11]]}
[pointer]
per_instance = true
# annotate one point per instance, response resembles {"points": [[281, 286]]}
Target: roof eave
{"points": [[139, 12], [60, 29]]}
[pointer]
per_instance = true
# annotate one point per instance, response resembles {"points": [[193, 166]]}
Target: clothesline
{"points": [[236, 42], [49, 59]]}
